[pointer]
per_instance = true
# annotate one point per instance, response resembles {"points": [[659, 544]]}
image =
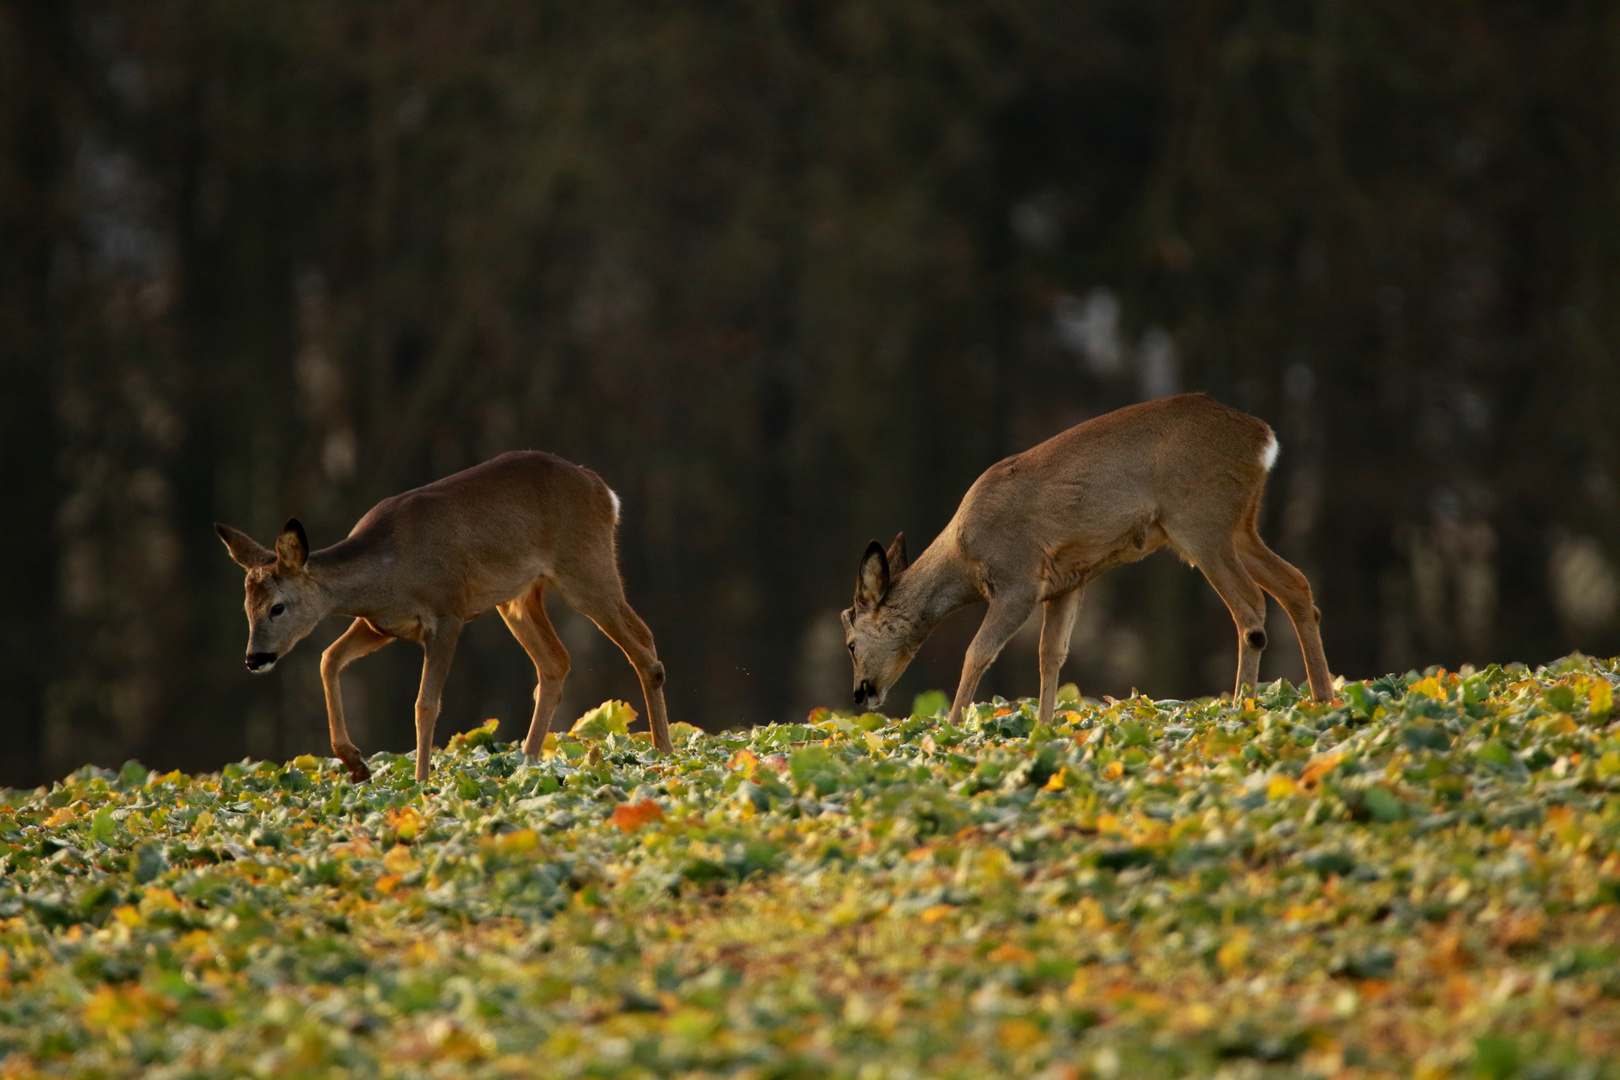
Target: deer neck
{"points": [[930, 589], [348, 574]]}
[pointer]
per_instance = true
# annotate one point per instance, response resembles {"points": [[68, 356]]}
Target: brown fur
{"points": [[1184, 472], [420, 565]]}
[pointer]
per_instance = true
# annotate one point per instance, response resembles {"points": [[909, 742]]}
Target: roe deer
{"points": [[422, 564], [1185, 471]]}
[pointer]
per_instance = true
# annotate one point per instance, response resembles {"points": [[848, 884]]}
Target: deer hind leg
{"points": [[358, 640], [1057, 623], [602, 601], [438, 650], [1007, 613], [526, 618], [1247, 604], [1277, 577]]}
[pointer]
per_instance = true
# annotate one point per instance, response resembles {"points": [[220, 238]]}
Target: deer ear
{"points": [[872, 582], [897, 554], [247, 552], [292, 546]]}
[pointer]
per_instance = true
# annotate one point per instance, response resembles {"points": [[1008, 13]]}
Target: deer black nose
{"points": [[260, 661]]}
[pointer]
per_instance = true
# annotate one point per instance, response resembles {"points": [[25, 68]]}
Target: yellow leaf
{"points": [[1280, 787], [1197, 1016], [399, 861], [937, 912], [122, 1008], [1231, 955], [1429, 687], [387, 883], [517, 842], [874, 742], [63, 816], [1054, 782], [127, 915], [744, 761], [156, 900], [1601, 698], [1019, 1035], [608, 718], [406, 822], [307, 762], [681, 731], [1113, 770]]}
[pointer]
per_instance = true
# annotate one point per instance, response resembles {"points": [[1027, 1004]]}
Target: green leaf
{"points": [[1383, 805], [150, 861], [608, 718], [1496, 1057], [102, 825]]}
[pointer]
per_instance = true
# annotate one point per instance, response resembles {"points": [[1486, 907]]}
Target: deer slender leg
{"points": [[600, 598], [438, 650], [1247, 604], [526, 618], [1007, 613], [1057, 623], [358, 640], [1277, 577]]}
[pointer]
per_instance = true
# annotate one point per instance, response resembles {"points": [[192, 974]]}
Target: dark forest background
{"points": [[788, 275]]}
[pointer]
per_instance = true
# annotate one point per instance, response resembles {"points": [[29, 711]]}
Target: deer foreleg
{"points": [[1057, 623], [1007, 613], [438, 650], [358, 640]]}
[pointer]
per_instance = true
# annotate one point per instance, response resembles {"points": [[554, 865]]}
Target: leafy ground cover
{"points": [[1421, 881]]}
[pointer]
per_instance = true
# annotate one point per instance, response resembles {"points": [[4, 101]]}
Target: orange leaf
{"points": [[1008, 953], [631, 816], [1318, 767]]}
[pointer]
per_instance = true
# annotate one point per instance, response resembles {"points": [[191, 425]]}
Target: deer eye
{"points": [[852, 648], [277, 610]]}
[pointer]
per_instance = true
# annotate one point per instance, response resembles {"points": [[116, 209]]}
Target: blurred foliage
{"points": [[1421, 881], [789, 276]]}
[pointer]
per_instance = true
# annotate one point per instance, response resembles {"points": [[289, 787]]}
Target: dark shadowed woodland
{"points": [[789, 276]]}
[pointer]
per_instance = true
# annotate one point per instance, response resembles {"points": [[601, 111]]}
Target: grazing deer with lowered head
{"points": [[420, 565], [1183, 471]]}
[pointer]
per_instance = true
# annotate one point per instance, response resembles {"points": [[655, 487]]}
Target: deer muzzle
{"points": [[866, 692], [260, 662]]}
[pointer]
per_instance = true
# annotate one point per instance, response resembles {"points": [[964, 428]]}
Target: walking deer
{"points": [[420, 565], [1183, 471]]}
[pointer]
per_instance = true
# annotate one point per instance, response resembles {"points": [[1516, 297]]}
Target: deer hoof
{"points": [[358, 772]]}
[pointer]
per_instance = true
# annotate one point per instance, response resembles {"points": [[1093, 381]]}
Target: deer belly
{"points": [[1072, 564]]}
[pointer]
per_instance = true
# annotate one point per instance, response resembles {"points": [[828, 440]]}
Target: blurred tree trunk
{"points": [[36, 100]]}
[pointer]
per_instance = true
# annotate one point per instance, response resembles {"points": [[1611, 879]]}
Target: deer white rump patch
{"points": [[1268, 456], [614, 495]]}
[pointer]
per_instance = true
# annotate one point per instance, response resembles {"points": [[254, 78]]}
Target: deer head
{"points": [[880, 635], [283, 601]]}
